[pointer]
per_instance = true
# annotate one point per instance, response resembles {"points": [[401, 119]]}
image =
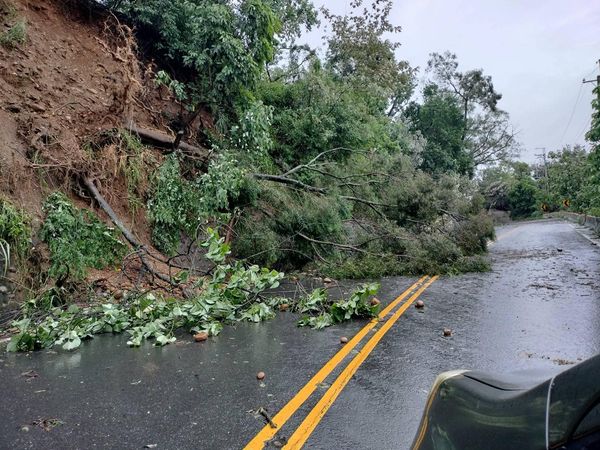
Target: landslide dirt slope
{"points": [[67, 82], [76, 75]]}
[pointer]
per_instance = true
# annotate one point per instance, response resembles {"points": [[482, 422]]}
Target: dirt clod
{"points": [[202, 336]]}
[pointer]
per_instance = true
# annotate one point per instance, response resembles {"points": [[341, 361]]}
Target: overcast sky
{"points": [[537, 53]]}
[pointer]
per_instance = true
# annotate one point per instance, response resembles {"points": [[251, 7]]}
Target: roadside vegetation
{"points": [[14, 33], [335, 162]]}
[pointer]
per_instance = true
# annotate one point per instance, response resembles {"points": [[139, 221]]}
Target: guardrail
{"points": [[583, 219]]}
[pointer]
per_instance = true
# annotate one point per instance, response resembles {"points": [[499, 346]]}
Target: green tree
{"points": [[486, 132], [591, 191], [523, 193], [361, 50], [523, 198], [217, 49], [567, 175], [440, 120]]}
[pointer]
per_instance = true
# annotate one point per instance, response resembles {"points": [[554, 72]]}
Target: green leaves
{"points": [[232, 294], [257, 313], [15, 232], [177, 205], [324, 313], [171, 207], [223, 45], [77, 239]]}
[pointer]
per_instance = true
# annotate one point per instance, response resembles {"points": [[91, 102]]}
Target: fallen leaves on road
{"points": [[47, 424]]}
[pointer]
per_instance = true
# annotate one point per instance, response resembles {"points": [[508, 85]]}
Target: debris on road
{"points": [[47, 424], [420, 304], [447, 332], [343, 340], [263, 412], [375, 301], [30, 375], [260, 376], [284, 307], [278, 443], [201, 336], [543, 286]]}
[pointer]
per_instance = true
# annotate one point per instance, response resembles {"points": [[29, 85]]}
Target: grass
{"points": [[7, 9], [15, 35]]}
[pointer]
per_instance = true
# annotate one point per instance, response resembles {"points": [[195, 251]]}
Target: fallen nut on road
{"points": [[260, 376], [419, 304], [447, 332], [201, 336], [375, 301], [343, 339]]}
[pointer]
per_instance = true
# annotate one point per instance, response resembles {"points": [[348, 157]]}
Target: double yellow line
{"points": [[305, 429]]}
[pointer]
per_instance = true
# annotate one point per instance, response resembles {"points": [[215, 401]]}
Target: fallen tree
{"points": [[162, 140]]}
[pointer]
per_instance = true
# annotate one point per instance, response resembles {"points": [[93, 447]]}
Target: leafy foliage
{"points": [[16, 35], [77, 239], [15, 231], [323, 313], [177, 205], [172, 207], [523, 198], [233, 293], [487, 135], [441, 122], [222, 45]]}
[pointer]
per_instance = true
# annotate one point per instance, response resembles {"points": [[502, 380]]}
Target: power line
{"points": [[562, 138], [585, 128]]}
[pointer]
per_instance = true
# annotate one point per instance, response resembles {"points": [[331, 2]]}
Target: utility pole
{"points": [[543, 156], [597, 80]]}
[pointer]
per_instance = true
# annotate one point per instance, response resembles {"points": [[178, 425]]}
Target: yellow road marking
{"points": [[292, 406], [297, 440]]}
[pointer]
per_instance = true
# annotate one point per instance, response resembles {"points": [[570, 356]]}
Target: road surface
{"points": [[538, 309]]}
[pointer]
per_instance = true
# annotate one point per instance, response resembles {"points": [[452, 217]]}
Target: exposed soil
{"points": [[76, 76]]}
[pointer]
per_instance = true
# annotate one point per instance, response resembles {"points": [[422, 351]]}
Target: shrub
{"points": [[522, 198], [257, 242], [172, 207], [77, 239], [15, 233], [15, 35], [473, 234]]}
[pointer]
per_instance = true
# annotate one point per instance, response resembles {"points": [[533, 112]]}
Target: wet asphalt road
{"points": [[538, 309]]}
